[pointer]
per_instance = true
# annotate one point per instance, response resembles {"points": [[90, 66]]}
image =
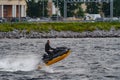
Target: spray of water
{"points": [[23, 63], [47, 69], [19, 62]]}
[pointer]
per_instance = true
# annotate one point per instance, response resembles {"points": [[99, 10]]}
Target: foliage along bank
{"points": [[60, 30], [60, 26]]}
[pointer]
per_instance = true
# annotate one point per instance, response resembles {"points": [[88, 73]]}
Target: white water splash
{"points": [[48, 69], [19, 63]]}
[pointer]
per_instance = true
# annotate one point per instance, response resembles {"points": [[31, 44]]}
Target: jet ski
{"points": [[58, 54]]}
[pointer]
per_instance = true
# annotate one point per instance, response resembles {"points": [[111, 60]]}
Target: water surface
{"points": [[90, 59]]}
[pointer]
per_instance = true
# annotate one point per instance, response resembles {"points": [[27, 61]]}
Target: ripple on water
{"points": [[90, 59]]}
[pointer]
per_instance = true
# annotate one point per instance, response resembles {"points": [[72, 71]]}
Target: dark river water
{"points": [[90, 59]]}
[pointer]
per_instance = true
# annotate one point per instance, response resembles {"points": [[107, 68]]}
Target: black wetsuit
{"points": [[48, 48]]}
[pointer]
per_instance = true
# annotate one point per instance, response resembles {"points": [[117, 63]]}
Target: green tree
{"points": [[43, 3], [35, 9], [74, 9], [71, 8], [60, 6], [80, 12], [117, 8], [106, 9], [92, 8]]}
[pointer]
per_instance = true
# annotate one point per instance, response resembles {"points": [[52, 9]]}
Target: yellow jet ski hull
{"points": [[59, 58], [59, 54]]}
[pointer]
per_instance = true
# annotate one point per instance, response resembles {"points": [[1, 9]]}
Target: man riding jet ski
{"points": [[54, 55], [48, 48]]}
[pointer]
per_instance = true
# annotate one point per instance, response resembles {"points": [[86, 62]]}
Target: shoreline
{"points": [[16, 34]]}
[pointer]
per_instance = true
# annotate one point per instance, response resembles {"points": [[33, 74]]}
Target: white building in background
{"points": [[12, 8]]}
